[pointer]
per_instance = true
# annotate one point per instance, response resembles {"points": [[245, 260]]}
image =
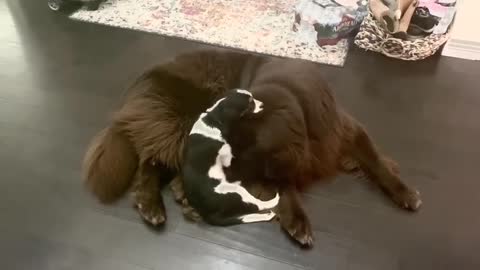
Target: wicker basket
{"points": [[372, 37]]}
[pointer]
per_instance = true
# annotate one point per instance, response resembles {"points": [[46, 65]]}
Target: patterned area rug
{"points": [[261, 26]]}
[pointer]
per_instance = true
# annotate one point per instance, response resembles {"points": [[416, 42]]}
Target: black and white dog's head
{"points": [[233, 106], [208, 153]]}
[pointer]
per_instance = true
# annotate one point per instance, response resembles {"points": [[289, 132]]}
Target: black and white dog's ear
{"points": [[227, 113], [216, 119], [222, 115]]}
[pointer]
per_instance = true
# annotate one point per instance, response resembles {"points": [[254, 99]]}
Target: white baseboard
{"points": [[462, 49]]}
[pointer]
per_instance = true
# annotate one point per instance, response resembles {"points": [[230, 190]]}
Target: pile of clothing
{"points": [[328, 21], [414, 19]]}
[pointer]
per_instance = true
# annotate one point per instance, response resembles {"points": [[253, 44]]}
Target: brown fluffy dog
{"points": [[302, 136]]}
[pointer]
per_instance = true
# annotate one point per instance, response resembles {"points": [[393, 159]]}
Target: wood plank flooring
{"points": [[60, 79]]}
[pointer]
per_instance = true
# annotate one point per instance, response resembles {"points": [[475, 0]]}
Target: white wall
{"points": [[465, 34], [467, 25]]}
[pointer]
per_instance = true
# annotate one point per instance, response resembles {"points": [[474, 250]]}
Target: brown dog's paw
{"points": [[299, 228], [408, 199], [153, 214]]}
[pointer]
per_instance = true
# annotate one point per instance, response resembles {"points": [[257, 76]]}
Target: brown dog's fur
{"points": [[302, 136], [151, 126]]}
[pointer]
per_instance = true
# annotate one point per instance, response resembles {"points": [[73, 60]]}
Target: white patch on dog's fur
{"points": [[225, 154], [215, 105], [243, 91], [258, 106], [224, 159], [200, 127], [250, 218], [216, 172]]}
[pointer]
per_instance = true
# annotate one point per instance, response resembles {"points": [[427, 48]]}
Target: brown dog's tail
{"points": [[109, 165]]}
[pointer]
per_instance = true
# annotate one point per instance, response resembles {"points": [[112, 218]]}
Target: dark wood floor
{"points": [[60, 79]]}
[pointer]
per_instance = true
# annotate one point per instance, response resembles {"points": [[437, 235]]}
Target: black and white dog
{"points": [[218, 200]]}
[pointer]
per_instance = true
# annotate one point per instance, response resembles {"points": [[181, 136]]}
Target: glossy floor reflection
{"points": [[60, 79]]}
